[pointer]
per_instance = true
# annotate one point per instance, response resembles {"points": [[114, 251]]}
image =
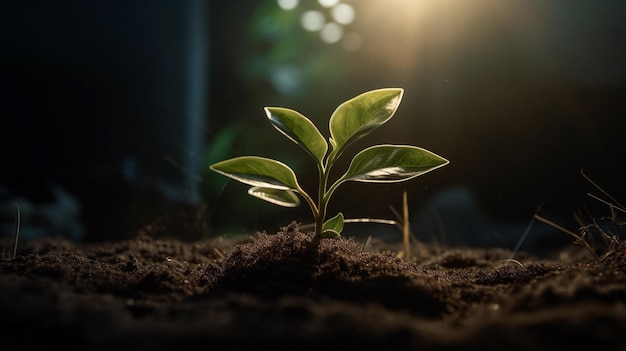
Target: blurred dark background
{"points": [[113, 110]]}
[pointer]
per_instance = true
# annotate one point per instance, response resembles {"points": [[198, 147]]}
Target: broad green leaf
{"points": [[391, 163], [285, 198], [258, 171], [299, 129], [358, 116], [335, 224]]}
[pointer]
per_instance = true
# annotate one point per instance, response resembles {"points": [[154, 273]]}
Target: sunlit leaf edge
{"points": [[285, 198], [299, 129], [391, 173], [269, 173], [340, 141]]}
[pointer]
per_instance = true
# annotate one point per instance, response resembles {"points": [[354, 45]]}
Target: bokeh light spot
{"points": [[286, 79], [328, 3], [288, 4], [312, 20], [343, 13], [331, 33]]}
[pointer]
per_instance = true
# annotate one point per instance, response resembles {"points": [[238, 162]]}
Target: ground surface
{"points": [[274, 291]]}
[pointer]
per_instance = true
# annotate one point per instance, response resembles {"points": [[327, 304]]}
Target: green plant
{"points": [[275, 182]]}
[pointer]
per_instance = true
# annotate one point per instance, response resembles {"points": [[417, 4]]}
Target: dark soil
{"points": [[275, 291]]}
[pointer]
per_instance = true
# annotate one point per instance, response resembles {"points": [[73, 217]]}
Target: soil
{"points": [[276, 290]]}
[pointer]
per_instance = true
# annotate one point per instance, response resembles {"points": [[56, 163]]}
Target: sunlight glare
{"points": [[424, 32]]}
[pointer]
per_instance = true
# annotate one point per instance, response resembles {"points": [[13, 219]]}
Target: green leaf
{"points": [[299, 129], [358, 116], [285, 198], [391, 163], [334, 224], [258, 171]]}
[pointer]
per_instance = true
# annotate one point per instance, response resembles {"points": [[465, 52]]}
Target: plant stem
{"points": [[314, 209], [321, 202], [405, 226], [17, 229]]}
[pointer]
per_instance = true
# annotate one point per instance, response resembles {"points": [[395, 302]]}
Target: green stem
{"points": [[321, 194], [311, 203], [332, 189], [323, 203]]}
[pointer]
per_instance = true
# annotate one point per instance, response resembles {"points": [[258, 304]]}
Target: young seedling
{"points": [[275, 182]]}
